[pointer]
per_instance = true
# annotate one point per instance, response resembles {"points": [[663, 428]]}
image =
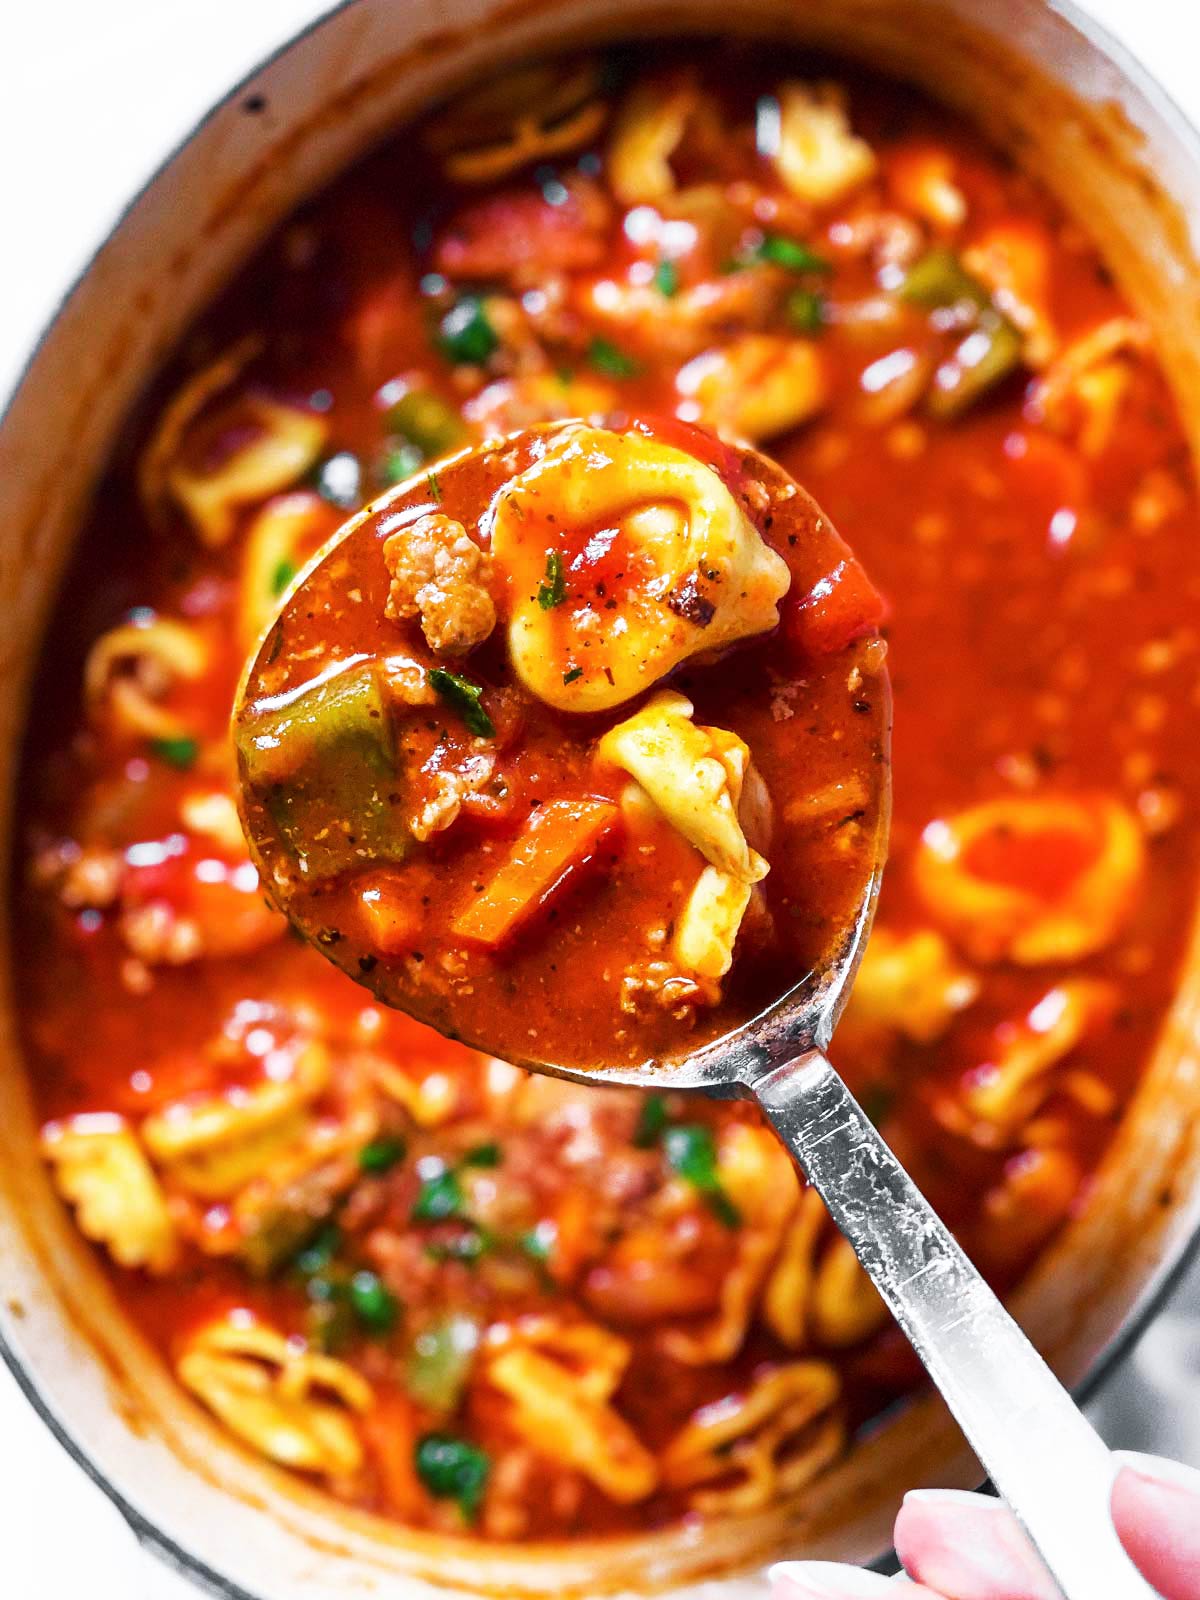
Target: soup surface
{"points": [[467, 1298], [463, 779]]}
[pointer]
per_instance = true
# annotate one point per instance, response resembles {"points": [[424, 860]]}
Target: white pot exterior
{"points": [[1126, 161]]}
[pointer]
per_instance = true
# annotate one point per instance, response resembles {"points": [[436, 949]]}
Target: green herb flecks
{"points": [[179, 751], [285, 571], [374, 1304], [464, 696], [572, 673], [381, 1155], [666, 279], [465, 334], [439, 1199], [452, 1469], [789, 254], [538, 1244], [609, 359], [434, 484], [552, 590], [483, 1155], [401, 463], [692, 1152], [652, 1120], [806, 311]]}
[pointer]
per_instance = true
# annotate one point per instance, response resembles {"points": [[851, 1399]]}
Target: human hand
{"points": [[958, 1546]]}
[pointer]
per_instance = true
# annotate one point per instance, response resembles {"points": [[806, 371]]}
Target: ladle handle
{"points": [[1044, 1457]]}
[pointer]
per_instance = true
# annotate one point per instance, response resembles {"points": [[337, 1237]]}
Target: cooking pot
{"points": [[1080, 115]]}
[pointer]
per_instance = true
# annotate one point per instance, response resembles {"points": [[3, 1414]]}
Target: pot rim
{"points": [[1179, 1256]]}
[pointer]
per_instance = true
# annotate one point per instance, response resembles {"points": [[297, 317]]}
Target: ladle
{"points": [[1039, 1450]]}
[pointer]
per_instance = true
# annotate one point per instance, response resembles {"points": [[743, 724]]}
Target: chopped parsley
{"points": [[452, 1469], [538, 1244], [319, 1252], [483, 1155], [178, 751], [434, 485], [464, 696], [806, 311], [381, 1155], [401, 463], [789, 254], [608, 358], [439, 1198], [285, 571], [651, 1122], [374, 1304], [692, 1152], [552, 590], [465, 334], [572, 673], [666, 278]]}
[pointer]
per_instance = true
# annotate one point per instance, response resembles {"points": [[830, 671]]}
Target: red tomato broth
{"points": [[1029, 656], [552, 989]]}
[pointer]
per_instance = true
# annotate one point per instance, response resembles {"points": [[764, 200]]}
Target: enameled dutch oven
{"points": [[1079, 114]]}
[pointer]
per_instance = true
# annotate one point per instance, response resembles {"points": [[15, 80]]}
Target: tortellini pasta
{"points": [[560, 1380], [1031, 879], [816, 153], [101, 1170], [214, 1147], [757, 1176], [132, 670], [648, 130], [655, 560], [279, 541], [694, 777], [273, 444], [761, 1446], [910, 984], [756, 386], [1008, 1090], [291, 1405]]}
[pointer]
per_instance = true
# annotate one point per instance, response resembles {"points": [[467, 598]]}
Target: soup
{"points": [[466, 1298], [464, 779]]}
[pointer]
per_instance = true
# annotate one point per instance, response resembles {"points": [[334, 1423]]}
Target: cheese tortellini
{"points": [[625, 556], [694, 777], [101, 1170], [1032, 879], [289, 1404]]}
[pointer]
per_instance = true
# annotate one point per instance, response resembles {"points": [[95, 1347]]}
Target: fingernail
{"points": [[969, 1546], [830, 1580], [1159, 1470]]}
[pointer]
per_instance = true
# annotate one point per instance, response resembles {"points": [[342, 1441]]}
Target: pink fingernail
{"points": [[829, 1580], [968, 1546], [1156, 1509], [1159, 1470]]}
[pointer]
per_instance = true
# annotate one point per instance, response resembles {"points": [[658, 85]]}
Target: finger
{"points": [[829, 1580], [1156, 1509], [968, 1547]]}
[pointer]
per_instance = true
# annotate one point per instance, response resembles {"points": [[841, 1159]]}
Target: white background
{"points": [[92, 93]]}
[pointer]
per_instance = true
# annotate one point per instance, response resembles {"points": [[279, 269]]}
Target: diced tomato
{"points": [[223, 898], [520, 228], [839, 608], [389, 915]]}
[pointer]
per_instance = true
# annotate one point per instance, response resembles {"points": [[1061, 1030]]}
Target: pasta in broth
{"points": [[473, 1300]]}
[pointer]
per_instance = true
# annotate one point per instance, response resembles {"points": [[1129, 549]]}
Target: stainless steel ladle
{"points": [[1041, 1453]]}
